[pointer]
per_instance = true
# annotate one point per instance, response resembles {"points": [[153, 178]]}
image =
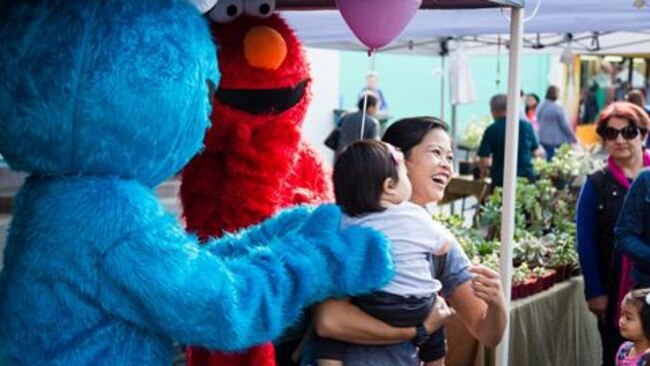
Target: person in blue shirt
{"points": [[493, 145], [554, 127], [607, 274]]}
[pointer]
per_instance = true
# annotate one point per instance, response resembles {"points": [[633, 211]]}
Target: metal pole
{"points": [[443, 71], [454, 148], [510, 172]]}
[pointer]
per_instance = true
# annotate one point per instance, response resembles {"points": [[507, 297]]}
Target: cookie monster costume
{"points": [[254, 162], [100, 101]]}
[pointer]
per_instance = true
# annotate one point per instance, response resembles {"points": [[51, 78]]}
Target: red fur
{"points": [[252, 165]]}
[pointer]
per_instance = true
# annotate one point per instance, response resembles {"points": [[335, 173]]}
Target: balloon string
{"points": [[371, 60]]}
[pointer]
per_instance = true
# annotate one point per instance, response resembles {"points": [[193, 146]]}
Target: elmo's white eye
{"points": [[260, 8], [204, 5], [226, 10]]}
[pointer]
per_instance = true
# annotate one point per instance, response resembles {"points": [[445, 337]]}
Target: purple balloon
{"points": [[377, 22]]}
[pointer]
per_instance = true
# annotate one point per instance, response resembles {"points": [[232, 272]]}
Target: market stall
{"points": [[326, 29]]}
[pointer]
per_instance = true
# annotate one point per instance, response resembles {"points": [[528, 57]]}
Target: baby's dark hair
{"points": [[637, 298], [359, 174]]}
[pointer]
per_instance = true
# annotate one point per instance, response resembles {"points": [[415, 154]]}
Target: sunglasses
{"points": [[628, 133]]}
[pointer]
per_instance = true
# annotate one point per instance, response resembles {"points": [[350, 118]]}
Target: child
{"points": [[634, 325], [371, 186]]}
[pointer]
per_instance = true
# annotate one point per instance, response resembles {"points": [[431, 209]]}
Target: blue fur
{"points": [[100, 100]]}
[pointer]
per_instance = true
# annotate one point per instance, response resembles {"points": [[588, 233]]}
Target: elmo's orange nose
{"points": [[265, 48]]}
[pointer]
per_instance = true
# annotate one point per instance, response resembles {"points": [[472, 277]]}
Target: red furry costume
{"points": [[254, 162]]}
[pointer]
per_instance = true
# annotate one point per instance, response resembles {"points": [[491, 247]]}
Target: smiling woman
{"points": [[428, 153], [474, 292]]}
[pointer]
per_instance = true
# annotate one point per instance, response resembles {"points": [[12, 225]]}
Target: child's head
{"points": [[369, 175], [634, 322]]}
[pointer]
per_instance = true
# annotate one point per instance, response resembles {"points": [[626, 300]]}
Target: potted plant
{"points": [[563, 258]]}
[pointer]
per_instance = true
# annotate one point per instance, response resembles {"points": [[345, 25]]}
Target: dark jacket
{"points": [[609, 201], [633, 228]]}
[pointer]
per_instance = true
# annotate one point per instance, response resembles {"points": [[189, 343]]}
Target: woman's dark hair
{"points": [[534, 96], [406, 133], [359, 174], [637, 298]]}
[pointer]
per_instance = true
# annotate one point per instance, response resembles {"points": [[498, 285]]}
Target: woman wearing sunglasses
{"points": [[607, 274]]}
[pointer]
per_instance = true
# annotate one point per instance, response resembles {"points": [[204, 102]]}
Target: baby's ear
{"points": [[389, 185]]}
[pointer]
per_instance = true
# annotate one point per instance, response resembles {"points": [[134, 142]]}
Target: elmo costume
{"points": [[255, 162], [100, 101]]}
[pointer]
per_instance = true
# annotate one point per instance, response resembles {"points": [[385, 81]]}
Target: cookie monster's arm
{"points": [[159, 278], [256, 237]]}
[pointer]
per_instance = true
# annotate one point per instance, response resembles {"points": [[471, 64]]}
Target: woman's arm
{"points": [[339, 319], [480, 304], [588, 252]]}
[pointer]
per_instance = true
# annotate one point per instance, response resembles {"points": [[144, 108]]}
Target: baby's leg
{"points": [[438, 362], [433, 352], [331, 363]]}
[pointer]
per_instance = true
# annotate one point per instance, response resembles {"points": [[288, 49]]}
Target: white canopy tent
{"points": [[326, 28]]}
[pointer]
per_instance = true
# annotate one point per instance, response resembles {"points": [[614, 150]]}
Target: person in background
{"points": [[632, 229], [372, 87], [554, 128], [607, 274], [635, 326], [474, 292], [492, 147], [352, 122], [532, 101]]}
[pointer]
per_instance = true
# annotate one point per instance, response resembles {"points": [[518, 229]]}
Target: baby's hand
{"points": [[438, 316]]}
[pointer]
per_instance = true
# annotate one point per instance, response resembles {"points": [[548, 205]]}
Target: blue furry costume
{"points": [[100, 101]]}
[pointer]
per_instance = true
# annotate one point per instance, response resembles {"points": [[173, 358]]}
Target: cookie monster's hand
{"points": [[358, 258]]}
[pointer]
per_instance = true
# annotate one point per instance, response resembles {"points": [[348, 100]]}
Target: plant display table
{"points": [[553, 327]]}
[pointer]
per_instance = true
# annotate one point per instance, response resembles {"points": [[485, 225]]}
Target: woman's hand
{"points": [[598, 306], [487, 285], [438, 316]]}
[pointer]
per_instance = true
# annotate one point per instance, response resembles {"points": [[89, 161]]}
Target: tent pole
{"points": [[454, 148], [510, 172], [443, 68]]}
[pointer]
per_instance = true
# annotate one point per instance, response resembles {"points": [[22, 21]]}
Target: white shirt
{"points": [[414, 237]]}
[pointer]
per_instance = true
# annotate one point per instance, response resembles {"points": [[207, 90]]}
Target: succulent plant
{"points": [[530, 249], [520, 274]]}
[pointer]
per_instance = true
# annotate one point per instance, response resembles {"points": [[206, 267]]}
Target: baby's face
{"points": [[630, 323]]}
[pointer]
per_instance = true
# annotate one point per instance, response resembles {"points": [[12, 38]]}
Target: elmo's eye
{"points": [[260, 8], [226, 10]]}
